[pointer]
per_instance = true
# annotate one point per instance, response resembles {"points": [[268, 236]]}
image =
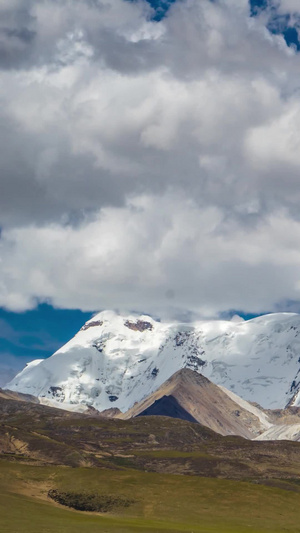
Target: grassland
{"points": [[179, 477], [162, 502]]}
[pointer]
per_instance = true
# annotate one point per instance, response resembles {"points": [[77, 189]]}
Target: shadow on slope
{"points": [[168, 406]]}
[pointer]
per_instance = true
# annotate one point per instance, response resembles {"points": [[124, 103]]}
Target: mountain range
{"points": [[210, 372]]}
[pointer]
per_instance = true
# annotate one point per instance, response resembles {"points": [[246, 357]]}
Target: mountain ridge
{"points": [[205, 402], [117, 360]]}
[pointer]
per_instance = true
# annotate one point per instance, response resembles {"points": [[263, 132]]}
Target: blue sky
{"points": [[35, 334], [136, 187], [280, 23]]}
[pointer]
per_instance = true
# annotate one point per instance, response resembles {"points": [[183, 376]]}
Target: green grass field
{"points": [[162, 502], [178, 476]]}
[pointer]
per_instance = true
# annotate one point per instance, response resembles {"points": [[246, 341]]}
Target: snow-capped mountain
{"points": [[115, 360]]}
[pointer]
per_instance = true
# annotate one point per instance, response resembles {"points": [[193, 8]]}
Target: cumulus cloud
{"points": [[288, 6], [144, 165], [163, 253]]}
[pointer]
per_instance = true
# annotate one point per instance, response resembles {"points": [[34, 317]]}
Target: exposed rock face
{"points": [[191, 396], [139, 325], [91, 324]]}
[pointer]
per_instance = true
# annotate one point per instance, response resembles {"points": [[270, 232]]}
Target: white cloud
{"points": [[134, 256], [141, 160], [277, 142], [288, 6]]}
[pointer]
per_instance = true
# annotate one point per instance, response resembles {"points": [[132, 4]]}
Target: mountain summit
{"points": [[191, 396], [115, 361]]}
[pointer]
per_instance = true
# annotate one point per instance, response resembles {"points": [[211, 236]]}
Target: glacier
{"points": [[116, 360]]}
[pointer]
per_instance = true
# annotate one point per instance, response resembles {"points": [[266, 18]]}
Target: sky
{"points": [[149, 162]]}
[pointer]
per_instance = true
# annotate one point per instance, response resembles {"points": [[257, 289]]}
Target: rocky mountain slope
{"points": [[11, 395], [191, 396], [116, 361]]}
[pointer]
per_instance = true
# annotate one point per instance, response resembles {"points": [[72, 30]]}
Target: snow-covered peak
{"points": [[117, 318], [116, 360]]}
